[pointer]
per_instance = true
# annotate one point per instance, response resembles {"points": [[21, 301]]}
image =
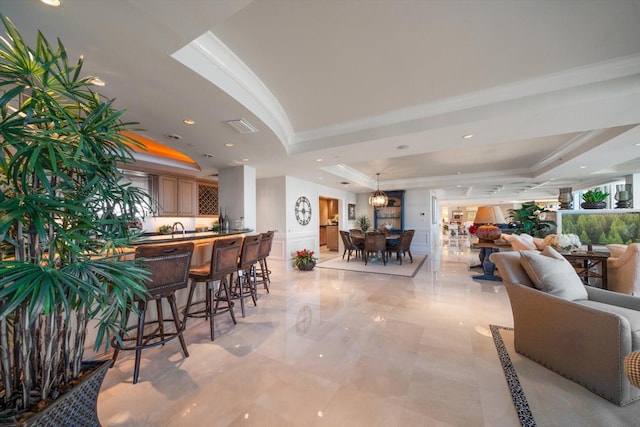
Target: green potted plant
{"points": [[594, 199], [305, 260], [165, 229], [530, 219], [65, 213], [364, 223]]}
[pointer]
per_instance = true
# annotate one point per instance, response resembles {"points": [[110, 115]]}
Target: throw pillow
{"points": [[553, 275]]}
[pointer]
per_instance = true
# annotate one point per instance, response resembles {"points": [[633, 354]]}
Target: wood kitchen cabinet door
{"points": [[167, 196], [176, 196], [186, 197]]}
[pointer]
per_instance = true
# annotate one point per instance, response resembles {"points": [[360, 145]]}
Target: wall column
{"points": [[237, 194]]}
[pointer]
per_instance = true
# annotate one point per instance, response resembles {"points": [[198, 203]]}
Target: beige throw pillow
{"points": [[553, 274]]}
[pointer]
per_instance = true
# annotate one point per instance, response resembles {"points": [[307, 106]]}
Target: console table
{"points": [[586, 265]]}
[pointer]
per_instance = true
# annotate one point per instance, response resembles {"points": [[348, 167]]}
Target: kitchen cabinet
{"points": [[332, 238], [323, 235], [175, 196], [207, 199]]}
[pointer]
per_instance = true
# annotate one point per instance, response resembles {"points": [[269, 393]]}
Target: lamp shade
{"points": [[489, 215]]}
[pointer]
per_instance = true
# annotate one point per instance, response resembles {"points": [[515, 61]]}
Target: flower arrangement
{"points": [[303, 258], [563, 242]]}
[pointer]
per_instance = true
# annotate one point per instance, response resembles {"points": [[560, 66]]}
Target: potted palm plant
{"points": [[65, 210], [364, 223]]}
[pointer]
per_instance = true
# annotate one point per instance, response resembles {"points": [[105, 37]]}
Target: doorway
{"points": [[328, 221]]}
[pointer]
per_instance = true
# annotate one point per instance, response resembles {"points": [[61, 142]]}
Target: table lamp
{"points": [[488, 216]]}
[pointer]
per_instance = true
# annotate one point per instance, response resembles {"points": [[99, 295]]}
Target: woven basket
{"points": [[76, 408]]}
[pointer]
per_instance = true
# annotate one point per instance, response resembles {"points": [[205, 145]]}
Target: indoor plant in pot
{"points": [[65, 211], [594, 199], [530, 219], [305, 260], [364, 223]]}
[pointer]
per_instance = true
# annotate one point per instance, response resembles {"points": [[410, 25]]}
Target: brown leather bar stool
{"points": [[223, 264], [169, 271], [265, 249], [245, 285]]}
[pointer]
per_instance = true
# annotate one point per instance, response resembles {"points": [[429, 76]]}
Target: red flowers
{"points": [[304, 256]]}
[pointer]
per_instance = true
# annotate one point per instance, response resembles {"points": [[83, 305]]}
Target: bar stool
{"points": [[224, 262], [169, 271], [264, 251], [246, 280]]}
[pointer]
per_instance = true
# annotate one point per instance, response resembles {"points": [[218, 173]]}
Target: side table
{"points": [[488, 268], [586, 265]]}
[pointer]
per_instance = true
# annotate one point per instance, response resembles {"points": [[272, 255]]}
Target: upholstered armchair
{"points": [[623, 267], [580, 332]]}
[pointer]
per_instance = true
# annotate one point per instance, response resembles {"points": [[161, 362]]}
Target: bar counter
{"points": [[179, 237], [203, 241]]}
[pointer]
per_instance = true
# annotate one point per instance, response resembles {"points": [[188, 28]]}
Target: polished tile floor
{"points": [[333, 348]]}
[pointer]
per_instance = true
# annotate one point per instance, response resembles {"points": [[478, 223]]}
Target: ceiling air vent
{"points": [[242, 126]]}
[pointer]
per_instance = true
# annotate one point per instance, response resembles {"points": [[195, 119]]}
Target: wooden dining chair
{"points": [[375, 243]]}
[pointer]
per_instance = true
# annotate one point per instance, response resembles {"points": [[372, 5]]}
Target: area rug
{"points": [[393, 268], [553, 399]]}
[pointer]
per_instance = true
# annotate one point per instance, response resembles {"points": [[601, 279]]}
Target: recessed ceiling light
{"points": [[638, 144], [54, 3], [467, 136], [189, 122], [245, 160], [583, 167], [228, 144], [318, 160], [174, 136]]}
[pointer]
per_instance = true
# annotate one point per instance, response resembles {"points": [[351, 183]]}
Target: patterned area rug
{"points": [[393, 267]]}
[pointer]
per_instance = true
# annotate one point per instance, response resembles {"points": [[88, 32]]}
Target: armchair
{"points": [[584, 338], [623, 269]]}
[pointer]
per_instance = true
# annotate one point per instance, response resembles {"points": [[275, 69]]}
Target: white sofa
{"points": [[523, 242], [581, 332]]}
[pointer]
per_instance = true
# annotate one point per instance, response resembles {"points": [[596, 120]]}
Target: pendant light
{"points": [[378, 199]]}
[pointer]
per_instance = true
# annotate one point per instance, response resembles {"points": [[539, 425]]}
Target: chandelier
{"points": [[378, 199]]}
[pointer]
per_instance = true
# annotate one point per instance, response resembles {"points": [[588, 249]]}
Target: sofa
{"points": [[523, 241], [580, 332]]}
